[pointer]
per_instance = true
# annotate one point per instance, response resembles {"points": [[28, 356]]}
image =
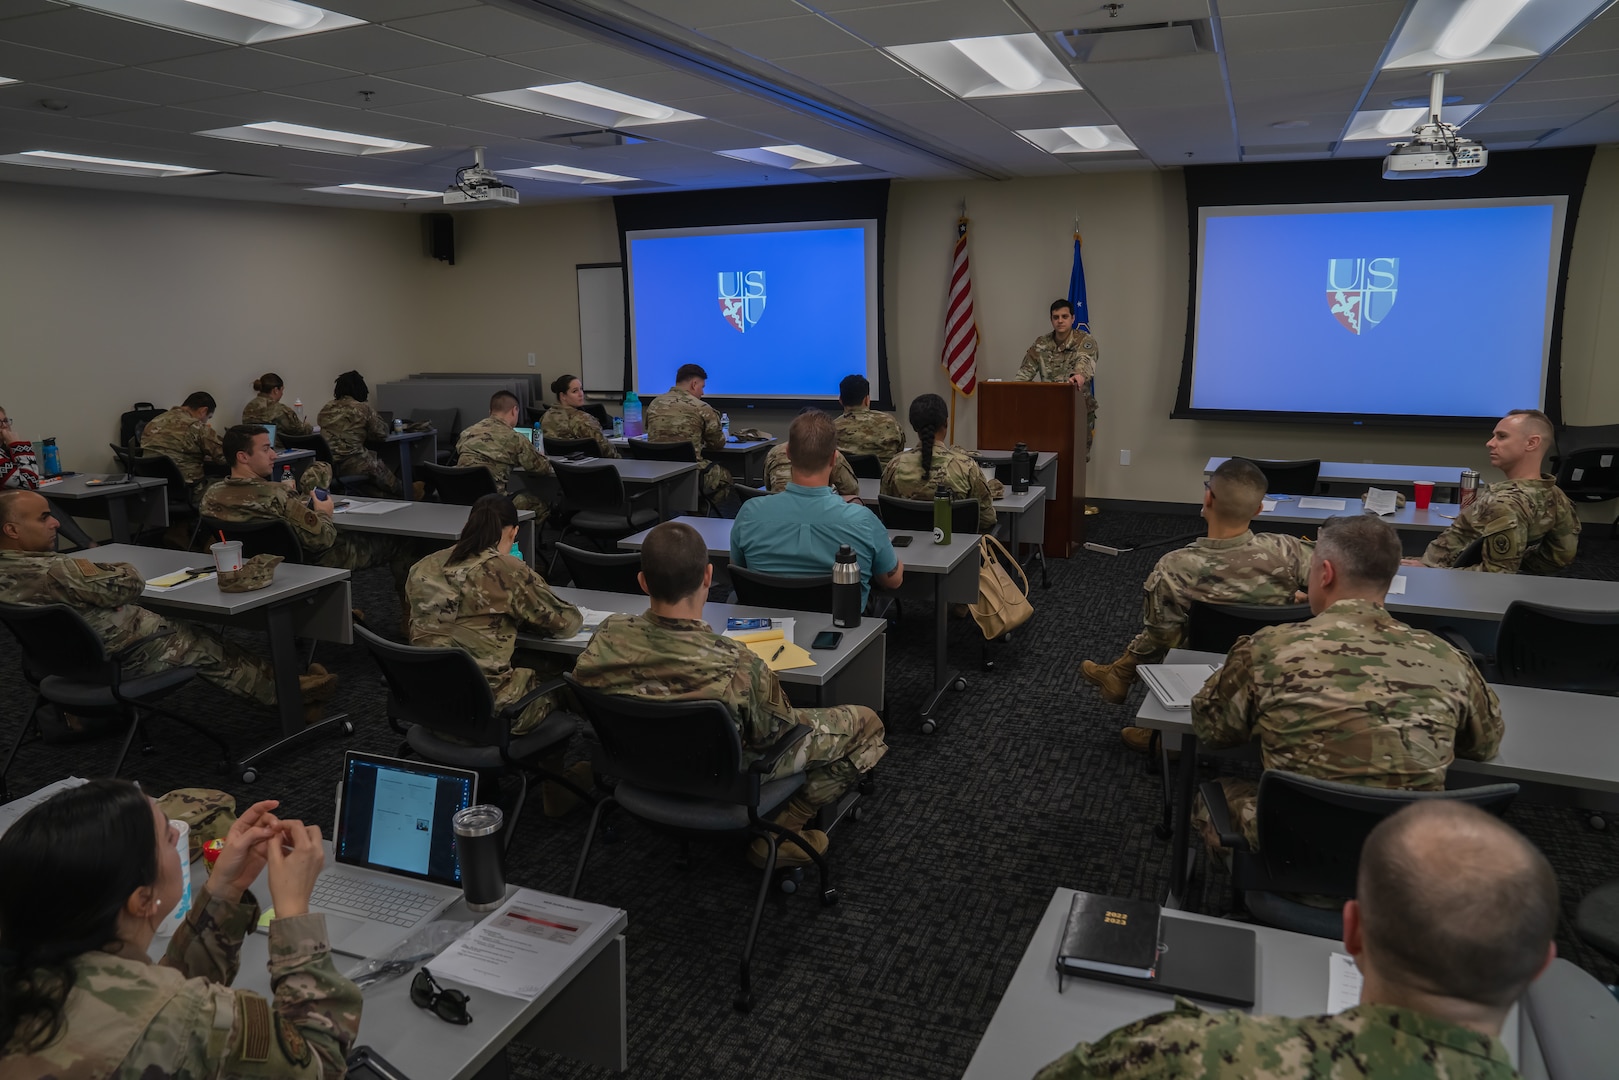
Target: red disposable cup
{"points": [[1424, 493]]}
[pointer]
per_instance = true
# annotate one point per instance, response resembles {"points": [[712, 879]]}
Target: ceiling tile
{"points": [[365, 92], [1045, 110], [588, 62], [487, 30], [377, 11], [1066, 15], [483, 75], [932, 20], [26, 96], [666, 86], [1305, 64], [858, 65], [367, 49], [485, 117], [882, 92], [801, 35], [251, 69], [716, 12], [147, 87], [29, 64], [102, 37], [1604, 89], [1364, 23]]}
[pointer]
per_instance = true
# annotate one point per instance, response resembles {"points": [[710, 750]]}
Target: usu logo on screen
{"points": [[742, 297], [1360, 292]]}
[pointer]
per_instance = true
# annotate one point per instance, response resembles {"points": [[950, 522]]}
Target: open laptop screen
{"points": [[398, 816]]}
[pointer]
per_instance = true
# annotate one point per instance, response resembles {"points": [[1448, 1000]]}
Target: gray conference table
{"points": [[1469, 594], [1437, 518], [675, 483], [749, 454], [1034, 1024], [302, 601], [128, 504], [402, 449], [851, 674], [1019, 513], [1553, 738], [581, 1014], [442, 522], [1446, 477]]}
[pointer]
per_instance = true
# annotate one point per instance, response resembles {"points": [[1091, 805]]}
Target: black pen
{"points": [[778, 652]]}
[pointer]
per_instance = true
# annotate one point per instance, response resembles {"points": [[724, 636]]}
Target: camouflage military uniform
{"points": [[658, 659], [567, 422], [500, 449], [1046, 361], [346, 424], [952, 467], [129, 1019], [1366, 1042], [1352, 695], [779, 470], [108, 595], [679, 417], [479, 605], [240, 502], [1248, 569], [1526, 525], [188, 442], [261, 410], [863, 431]]}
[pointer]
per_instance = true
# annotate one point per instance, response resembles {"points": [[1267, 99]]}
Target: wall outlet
{"points": [[1124, 457], [530, 359]]}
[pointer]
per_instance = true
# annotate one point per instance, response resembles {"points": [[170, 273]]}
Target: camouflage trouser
{"points": [[379, 480], [227, 666], [1242, 800], [844, 741], [547, 666], [361, 551], [526, 500], [1149, 648], [715, 481]]}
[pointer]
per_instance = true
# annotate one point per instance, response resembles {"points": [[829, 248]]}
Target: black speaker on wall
{"points": [[440, 232]]}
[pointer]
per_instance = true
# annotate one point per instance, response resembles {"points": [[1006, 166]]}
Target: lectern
{"points": [[1044, 416]]}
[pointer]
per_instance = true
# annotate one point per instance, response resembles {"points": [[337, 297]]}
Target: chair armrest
{"points": [[122, 654], [516, 708], [1220, 816], [768, 761], [1458, 641]]}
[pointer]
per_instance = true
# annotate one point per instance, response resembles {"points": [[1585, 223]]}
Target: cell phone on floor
{"points": [[902, 541], [827, 639]]}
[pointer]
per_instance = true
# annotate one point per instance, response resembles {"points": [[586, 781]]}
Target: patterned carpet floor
{"points": [[1025, 788]]}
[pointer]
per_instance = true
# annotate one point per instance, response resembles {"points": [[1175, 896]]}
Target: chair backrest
{"points": [[809, 592], [133, 422], [592, 486], [744, 492], [447, 422], [440, 689], [1590, 475], [604, 571], [1558, 649], [272, 537], [162, 467], [1216, 627], [1289, 477], [865, 466], [1311, 831], [315, 442], [55, 640], [688, 748], [564, 447], [1471, 555], [599, 411], [917, 514], [460, 485], [644, 450]]}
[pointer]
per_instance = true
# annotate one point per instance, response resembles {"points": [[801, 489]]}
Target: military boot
{"points": [[1115, 679], [795, 815], [559, 801], [316, 685]]}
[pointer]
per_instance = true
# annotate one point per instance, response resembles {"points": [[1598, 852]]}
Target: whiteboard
{"points": [[601, 326]]}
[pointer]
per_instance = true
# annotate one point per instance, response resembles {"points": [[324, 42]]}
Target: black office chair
{"points": [[447, 422], [1289, 477], [561, 448], [1597, 919], [916, 515], [599, 411], [1558, 649], [345, 485], [603, 571], [645, 450], [1216, 627], [444, 706], [744, 492], [258, 537], [680, 769], [459, 486], [123, 455], [534, 413], [809, 592], [602, 509], [1310, 835], [865, 466], [73, 672], [1591, 475], [176, 490]]}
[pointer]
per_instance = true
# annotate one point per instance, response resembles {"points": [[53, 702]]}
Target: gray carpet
{"points": [[1025, 788]]}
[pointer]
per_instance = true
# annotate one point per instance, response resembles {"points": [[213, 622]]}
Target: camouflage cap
{"points": [[256, 573], [210, 813]]}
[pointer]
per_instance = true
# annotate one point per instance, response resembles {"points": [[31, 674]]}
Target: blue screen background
{"points": [[1465, 336], [812, 332]]}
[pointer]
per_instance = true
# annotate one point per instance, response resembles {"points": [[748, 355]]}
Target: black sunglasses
{"points": [[448, 1005]]}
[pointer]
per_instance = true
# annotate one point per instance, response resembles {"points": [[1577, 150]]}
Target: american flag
{"points": [[960, 356]]}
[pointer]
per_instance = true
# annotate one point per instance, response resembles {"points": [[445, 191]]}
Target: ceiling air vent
{"points": [[1153, 41], [593, 140]]}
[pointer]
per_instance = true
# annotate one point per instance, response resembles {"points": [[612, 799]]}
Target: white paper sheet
{"points": [[593, 621], [381, 506], [1343, 983], [1266, 505], [1311, 503], [1397, 586], [522, 947], [1380, 502]]}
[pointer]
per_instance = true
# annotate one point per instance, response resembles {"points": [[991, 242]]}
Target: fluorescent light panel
{"points": [[989, 66], [379, 191], [1394, 125], [241, 22], [1440, 33], [568, 174], [1102, 139], [56, 159], [303, 137], [587, 103], [790, 156], [4, 80]]}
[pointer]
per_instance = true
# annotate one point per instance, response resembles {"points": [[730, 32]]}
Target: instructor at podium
{"points": [[1067, 354]]}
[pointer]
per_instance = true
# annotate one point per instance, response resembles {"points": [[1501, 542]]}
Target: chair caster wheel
{"points": [[348, 727], [249, 775], [1597, 822], [959, 685], [829, 897], [987, 665], [1161, 833], [743, 1003], [857, 813], [790, 879], [929, 727]]}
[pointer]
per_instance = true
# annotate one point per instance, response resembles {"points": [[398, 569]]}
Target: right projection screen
{"points": [[1382, 311]]}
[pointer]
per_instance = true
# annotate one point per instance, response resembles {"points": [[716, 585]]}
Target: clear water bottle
{"points": [[1022, 468], [399, 426], [52, 460], [632, 415], [298, 407], [725, 425], [941, 515], [846, 588]]}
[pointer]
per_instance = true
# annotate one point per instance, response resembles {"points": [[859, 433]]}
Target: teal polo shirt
{"points": [[799, 531]]}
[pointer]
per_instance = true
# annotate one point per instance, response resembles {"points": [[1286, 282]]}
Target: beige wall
{"points": [[1591, 304]]}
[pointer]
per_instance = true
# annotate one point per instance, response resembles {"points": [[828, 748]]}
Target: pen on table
{"points": [[777, 654]]}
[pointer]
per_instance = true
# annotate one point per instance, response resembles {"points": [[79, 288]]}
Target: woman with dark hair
{"points": [[87, 876], [478, 597], [918, 473], [566, 420], [346, 422], [266, 407], [184, 435]]}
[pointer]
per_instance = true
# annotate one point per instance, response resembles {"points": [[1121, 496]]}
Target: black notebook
{"points": [[1109, 935], [1207, 961]]}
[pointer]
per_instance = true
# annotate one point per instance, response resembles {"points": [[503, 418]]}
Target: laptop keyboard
{"points": [[371, 900]]}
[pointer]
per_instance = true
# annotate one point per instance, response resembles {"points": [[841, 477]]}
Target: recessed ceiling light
{"points": [[55, 159], [379, 191], [1390, 125], [1439, 32], [1475, 25], [1103, 139], [1289, 125], [242, 22], [303, 137], [569, 174], [4, 80], [989, 66], [589, 104], [791, 156]]}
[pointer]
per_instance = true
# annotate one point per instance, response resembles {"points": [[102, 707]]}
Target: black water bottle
{"points": [[1022, 468], [846, 588]]}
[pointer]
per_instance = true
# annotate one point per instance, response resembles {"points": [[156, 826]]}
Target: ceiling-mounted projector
{"points": [[1436, 148], [476, 184]]}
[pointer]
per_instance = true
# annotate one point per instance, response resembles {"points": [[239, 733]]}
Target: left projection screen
{"points": [[781, 310]]}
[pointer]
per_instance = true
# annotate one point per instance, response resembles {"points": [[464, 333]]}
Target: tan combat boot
{"points": [[1115, 679], [316, 685], [795, 815], [559, 801]]}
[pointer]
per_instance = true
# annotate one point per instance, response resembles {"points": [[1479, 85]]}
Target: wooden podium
{"points": [[1044, 416]]}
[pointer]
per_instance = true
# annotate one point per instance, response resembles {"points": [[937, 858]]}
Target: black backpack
{"points": [[133, 422]]}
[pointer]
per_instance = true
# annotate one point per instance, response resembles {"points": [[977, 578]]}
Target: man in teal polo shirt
{"points": [[799, 530]]}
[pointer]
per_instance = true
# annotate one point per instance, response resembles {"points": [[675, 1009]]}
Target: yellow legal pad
{"points": [[179, 577], [766, 643]]}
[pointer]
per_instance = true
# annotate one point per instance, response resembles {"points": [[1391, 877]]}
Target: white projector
{"points": [[478, 193], [1435, 150]]}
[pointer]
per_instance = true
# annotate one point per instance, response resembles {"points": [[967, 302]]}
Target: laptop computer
{"points": [[396, 863], [270, 429]]}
